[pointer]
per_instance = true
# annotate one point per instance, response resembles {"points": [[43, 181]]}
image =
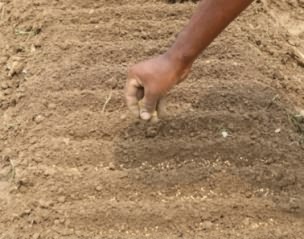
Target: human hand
{"points": [[149, 81]]}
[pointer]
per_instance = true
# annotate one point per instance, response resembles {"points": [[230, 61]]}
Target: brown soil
{"points": [[74, 167]]}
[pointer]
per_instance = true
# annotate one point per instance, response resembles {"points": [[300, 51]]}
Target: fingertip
{"points": [[145, 115]]}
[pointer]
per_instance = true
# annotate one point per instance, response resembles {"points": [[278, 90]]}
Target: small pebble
{"points": [[277, 131], [16, 68], [225, 134], [33, 48], [38, 119], [111, 166], [98, 188]]}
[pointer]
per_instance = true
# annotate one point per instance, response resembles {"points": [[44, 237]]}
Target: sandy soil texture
{"points": [[227, 161]]}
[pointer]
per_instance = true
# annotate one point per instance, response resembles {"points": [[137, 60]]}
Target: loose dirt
{"points": [[227, 161]]}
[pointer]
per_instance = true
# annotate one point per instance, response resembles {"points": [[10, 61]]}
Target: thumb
{"points": [[148, 106]]}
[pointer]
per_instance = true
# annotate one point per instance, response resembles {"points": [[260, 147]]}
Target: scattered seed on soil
{"points": [[66, 63]]}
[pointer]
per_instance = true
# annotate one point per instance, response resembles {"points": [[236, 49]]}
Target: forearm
{"points": [[150, 80], [210, 19]]}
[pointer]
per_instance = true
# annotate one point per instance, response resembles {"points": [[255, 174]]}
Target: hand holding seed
{"points": [[148, 82]]}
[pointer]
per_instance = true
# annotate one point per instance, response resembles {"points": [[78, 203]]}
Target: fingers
{"points": [[148, 106], [133, 93], [151, 106]]}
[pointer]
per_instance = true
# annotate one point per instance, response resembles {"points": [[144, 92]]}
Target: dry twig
{"points": [[107, 102]]}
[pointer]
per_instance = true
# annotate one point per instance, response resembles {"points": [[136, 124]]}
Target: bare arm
{"points": [[151, 79], [210, 19]]}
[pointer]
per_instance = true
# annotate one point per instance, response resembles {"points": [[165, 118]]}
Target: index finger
{"points": [[131, 91]]}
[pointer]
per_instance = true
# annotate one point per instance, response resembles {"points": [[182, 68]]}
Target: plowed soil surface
{"points": [[226, 162]]}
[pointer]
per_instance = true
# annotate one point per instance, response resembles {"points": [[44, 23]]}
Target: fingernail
{"points": [[145, 115]]}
